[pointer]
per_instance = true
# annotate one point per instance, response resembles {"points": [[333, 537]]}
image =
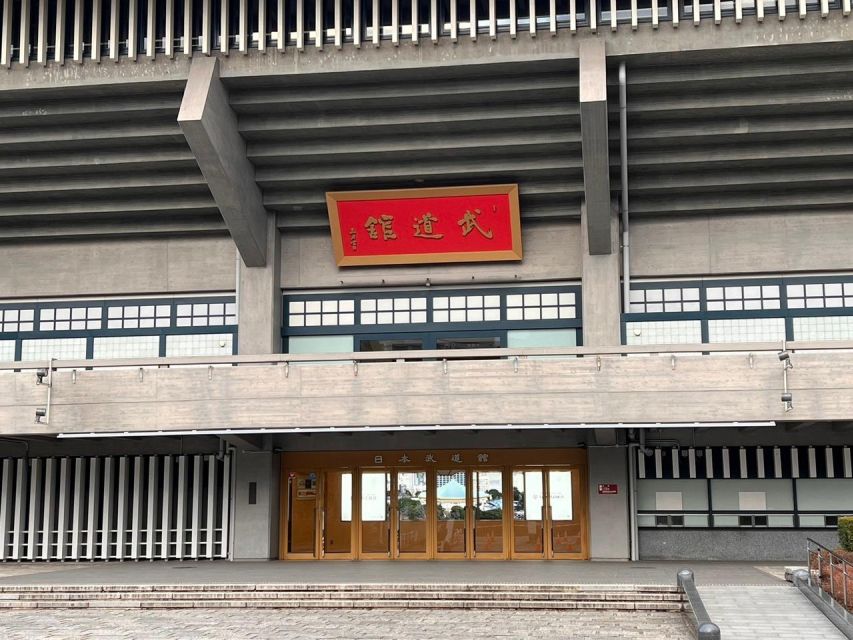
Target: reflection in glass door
{"points": [[411, 508], [337, 514], [451, 500], [565, 527], [528, 524], [488, 512], [376, 513]]}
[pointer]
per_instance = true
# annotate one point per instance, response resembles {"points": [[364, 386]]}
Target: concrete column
{"points": [[595, 143], [609, 524], [600, 281], [259, 304], [256, 505]]}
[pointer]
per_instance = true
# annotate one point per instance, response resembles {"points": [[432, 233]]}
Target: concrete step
{"points": [[362, 596]]}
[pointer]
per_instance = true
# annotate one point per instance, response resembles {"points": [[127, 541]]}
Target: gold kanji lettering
{"points": [[423, 227], [385, 223], [469, 223], [353, 239]]}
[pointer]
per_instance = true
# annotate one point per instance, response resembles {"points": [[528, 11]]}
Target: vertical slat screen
{"points": [[107, 511], [675, 6], [300, 25], [18, 520], [114, 30], [634, 17], [92, 509], [339, 35], [472, 15], [188, 27], [262, 26], [6, 44], [281, 37], [374, 22], [593, 16], [49, 510], [41, 56], [532, 18], [114, 508], [24, 42], [319, 26], [151, 30], [97, 13], [395, 20], [454, 20], [759, 10], [132, 24], [206, 27], [33, 523], [223, 26], [77, 56], [416, 23], [493, 20]]}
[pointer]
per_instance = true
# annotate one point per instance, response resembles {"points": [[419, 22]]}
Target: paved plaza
{"points": [[341, 625]]}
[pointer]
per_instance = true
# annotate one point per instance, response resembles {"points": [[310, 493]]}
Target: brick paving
{"points": [[377, 624], [780, 613]]}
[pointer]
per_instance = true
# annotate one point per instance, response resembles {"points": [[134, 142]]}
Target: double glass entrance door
{"points": [[459, 513]]}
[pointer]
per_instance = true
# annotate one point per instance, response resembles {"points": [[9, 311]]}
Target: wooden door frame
{"points": [[505, 460]]}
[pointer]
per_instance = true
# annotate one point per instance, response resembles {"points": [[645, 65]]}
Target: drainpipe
{"points": [[623, 156], [633, 448]]}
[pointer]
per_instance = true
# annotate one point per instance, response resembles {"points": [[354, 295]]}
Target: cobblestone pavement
{"points": [[384, 624], [781, 613]]}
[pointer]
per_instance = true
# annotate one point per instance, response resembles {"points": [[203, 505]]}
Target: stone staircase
{"points": [[345, 596]]}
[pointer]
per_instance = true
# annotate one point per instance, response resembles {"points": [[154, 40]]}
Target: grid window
{"points": [[70, 318], [393, 311], [15, 320], [204, 314], [479, 308], [746, 330], [664, 332], [316, 313], [665, 300], [7, 350], [541, 306], [743, 297], [210, 344], [824, 328], [58, 348], [139, 316], [817, 295], [127, 347]]}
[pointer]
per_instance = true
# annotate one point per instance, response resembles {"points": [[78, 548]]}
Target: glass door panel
{"points": [[302, 513], [411, 512], [528, 526], [337, 512], [488, 512], [565, 526], [376, 512], [451, 500]]}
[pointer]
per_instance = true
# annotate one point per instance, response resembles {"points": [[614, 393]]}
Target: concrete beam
{"points": [[210, 127], [245, 443], [594, 145], [554, 391]]}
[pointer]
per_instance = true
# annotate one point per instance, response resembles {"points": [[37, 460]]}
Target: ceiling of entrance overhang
{"points": [[747, 132]]}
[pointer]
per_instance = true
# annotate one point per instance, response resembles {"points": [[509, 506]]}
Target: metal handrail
{"points": [[838, 566], [747, 348], [702, 627]]}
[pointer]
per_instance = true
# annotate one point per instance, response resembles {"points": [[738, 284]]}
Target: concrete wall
{"points": [[255, 532], [741, 244], [117, 267], [750, 545], [608, 514], [551, 252]]}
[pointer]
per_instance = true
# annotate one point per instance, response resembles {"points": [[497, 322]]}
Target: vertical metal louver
{"points": [[115, 507]]}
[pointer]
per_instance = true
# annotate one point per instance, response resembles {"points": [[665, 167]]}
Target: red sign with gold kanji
{"points": [[407, 226]]}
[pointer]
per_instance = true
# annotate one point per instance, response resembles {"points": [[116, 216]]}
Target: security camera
{"points": [[41, 374], [784, 355], [40, 413], [787, 397]]}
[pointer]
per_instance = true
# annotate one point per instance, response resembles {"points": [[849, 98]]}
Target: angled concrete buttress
{"points": [[210, 127], [596, 162]]}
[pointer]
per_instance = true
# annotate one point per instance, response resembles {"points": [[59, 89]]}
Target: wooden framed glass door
{"points": [[411, 503], [528, 518], [451, 513], [302, 532], [564, 523], [337, 535], [375, 513], [489, 529]]}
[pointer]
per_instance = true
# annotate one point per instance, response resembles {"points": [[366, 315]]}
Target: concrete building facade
{"points": [[188, 371]]}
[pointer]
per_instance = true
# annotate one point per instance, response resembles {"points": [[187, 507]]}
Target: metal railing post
{"points": [[705, 629]]}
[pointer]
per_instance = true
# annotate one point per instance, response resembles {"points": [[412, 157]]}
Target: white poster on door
{"points": [[373, 497]]}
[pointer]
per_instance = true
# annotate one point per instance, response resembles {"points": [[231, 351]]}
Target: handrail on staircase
{"points": [[701, 625]]}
